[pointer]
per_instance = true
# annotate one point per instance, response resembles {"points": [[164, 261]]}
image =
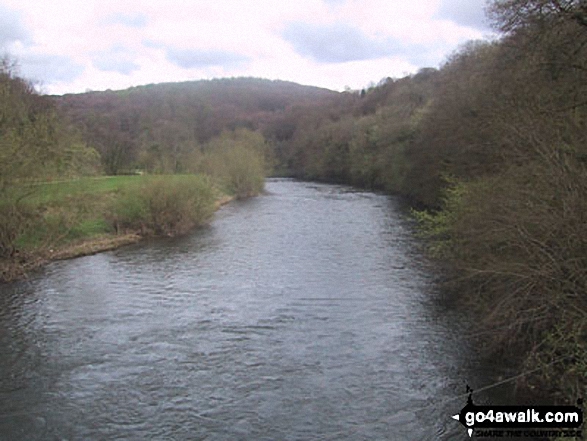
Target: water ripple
{"points": [[299, 315]]}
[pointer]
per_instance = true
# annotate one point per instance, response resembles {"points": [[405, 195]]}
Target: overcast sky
{"points": [[76, 45]]}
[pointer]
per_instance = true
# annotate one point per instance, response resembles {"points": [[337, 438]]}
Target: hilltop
{"points": [[125, 125]]}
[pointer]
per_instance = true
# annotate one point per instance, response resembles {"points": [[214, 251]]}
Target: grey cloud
{"points": [[11, 27], [49, 68], [124, 67], [137, 20], [469, 13], [153, 44], [118, 59], [194, 58], [337, 43]]}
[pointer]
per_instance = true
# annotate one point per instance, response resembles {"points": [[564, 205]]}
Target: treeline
{"points": [[35, 145], [159, 127], [494, 146], [362, 140]]}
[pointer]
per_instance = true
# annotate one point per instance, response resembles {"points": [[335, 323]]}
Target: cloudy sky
{"points": [[78, 45]]}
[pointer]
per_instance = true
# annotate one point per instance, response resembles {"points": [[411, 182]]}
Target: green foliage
{"points": [[369, 144], [518, 244], [61, 192], [164, 205], [34, 146], [62, 213], [16, 218], [72, 218], [438, 227], [78, 159], [237, 161], [27, 129], [509, 119]]}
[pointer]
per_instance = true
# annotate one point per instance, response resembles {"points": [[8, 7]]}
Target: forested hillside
{"points": [[157, 127]]}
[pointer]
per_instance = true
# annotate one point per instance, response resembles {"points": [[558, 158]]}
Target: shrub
{"points": [[244, 175], [164, 205], [15, 219], [236, 163], [519, 245]]}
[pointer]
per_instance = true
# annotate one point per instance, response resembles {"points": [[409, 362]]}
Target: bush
{"points": [[242, 173], [164, 205], [56, 225], [16, 218], [519, 246], [237, 162]]}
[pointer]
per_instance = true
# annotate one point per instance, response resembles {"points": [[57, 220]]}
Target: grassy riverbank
{"points": [[84, 216]]}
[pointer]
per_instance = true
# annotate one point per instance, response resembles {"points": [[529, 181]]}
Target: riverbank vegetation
{"points": [[166, 205], [69, 218], [55, 203]]}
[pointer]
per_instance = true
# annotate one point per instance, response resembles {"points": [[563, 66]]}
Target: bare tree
{"points": [[509, 15]]}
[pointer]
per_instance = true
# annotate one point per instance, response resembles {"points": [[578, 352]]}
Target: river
{"points": [[307, 313]]}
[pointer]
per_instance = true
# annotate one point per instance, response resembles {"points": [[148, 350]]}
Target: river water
{"points": [[304, 314]]}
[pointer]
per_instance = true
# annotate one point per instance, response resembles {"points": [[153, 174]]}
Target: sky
{"points": [[72, 46]]}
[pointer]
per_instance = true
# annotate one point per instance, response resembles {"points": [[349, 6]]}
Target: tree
{"points": [[29, 142], [237, 160], [511, 15], [34, 145]]}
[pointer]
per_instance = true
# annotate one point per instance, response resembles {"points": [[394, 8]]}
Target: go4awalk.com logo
{"points": [[521, 421]]}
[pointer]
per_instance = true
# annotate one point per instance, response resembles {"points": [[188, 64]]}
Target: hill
{"points": [[128, 125]]}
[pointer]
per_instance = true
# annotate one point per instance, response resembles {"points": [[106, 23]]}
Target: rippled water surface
{"points": [[303, 314]]}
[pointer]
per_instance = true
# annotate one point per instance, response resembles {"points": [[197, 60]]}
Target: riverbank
{"points": [[92, 215], [13, 269], [285, 296]]}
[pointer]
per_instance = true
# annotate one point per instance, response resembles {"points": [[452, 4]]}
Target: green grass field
{"points": [[81, 209], [52, 192]]}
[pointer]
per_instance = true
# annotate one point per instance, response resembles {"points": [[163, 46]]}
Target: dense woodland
{"points": [[158, 128], [491, 150]]}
